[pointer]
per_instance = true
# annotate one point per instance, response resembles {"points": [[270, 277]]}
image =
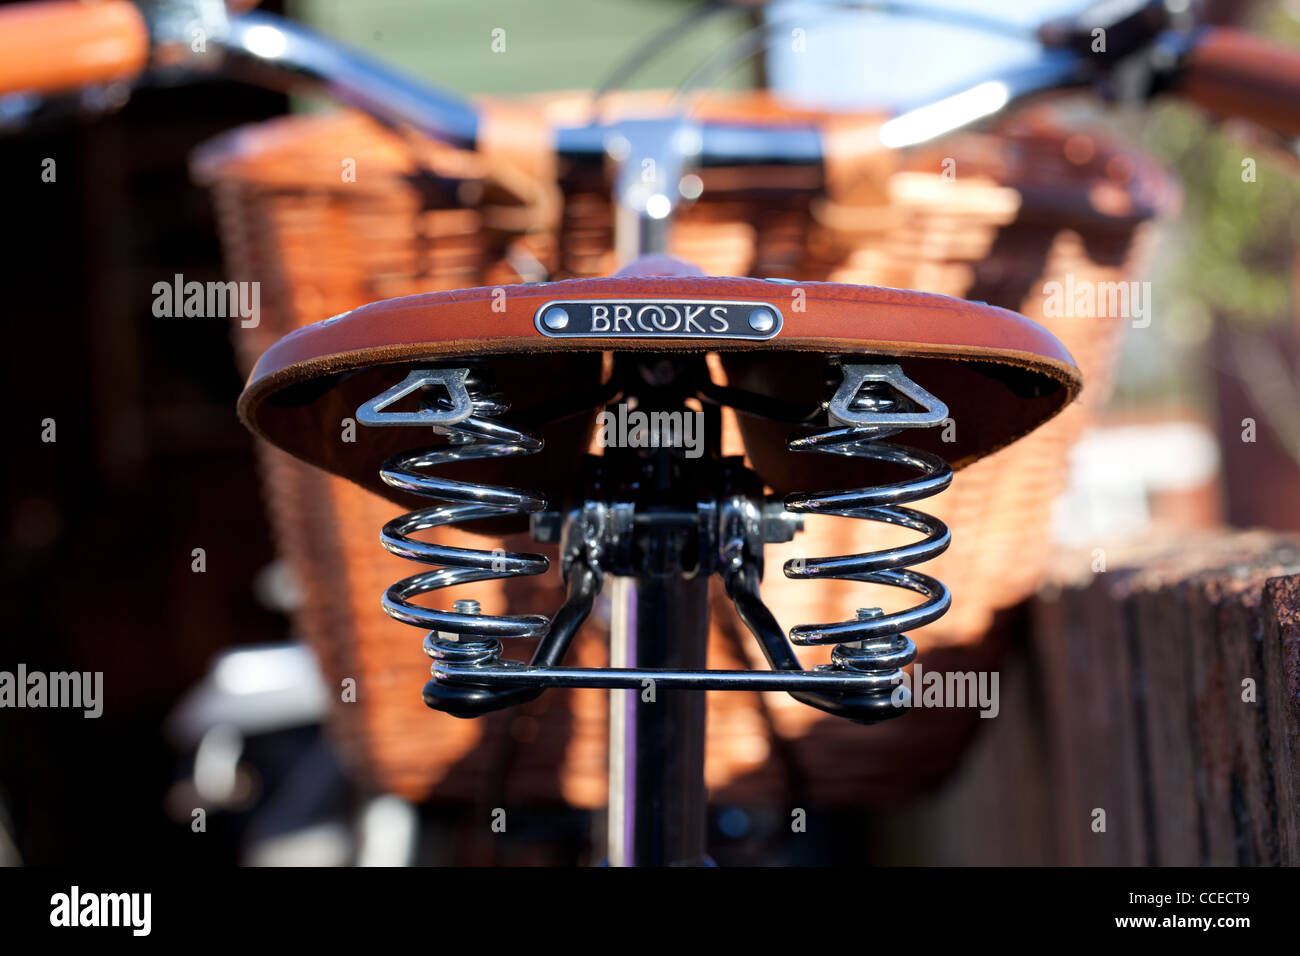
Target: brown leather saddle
{"points": [[1000, 374]]}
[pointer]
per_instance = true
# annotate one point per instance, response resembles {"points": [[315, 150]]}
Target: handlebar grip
{"points": [[65, 44], [1236, 75]]}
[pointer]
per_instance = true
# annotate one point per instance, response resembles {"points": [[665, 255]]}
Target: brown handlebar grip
{"points": [[1236, 75], [65, 44]]}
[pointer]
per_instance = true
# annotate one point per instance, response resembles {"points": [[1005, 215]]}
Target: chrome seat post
{"points": [[657, 806]]}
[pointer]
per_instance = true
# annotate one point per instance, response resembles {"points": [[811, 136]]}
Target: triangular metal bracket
{"points": [[453, 379], [934, 412]]}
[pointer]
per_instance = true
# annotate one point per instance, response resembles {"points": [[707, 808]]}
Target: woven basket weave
{"points": [[1027, 205]]}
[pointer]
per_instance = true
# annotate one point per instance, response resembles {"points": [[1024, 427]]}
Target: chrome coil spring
{"points": [[874, 643], [461, 634]]}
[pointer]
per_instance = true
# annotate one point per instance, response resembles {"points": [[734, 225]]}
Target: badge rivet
{"points": [[761, 320]]}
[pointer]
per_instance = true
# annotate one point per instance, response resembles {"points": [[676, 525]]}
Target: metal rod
{"points": [[621, 801], [634, 678], [283, 53], [657, 805]]}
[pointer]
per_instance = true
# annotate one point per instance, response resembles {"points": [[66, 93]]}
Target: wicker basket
{"points": [[1027, 205]]}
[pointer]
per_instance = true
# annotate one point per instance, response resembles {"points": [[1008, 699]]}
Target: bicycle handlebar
{"points": [[280, 53], [64, 44], [1235, 74]]}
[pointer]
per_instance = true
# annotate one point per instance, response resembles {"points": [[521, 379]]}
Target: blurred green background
{"points": [[446, 41]]}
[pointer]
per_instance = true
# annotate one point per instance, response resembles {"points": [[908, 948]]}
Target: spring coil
{"points": [[874, 642], [474, 438]]}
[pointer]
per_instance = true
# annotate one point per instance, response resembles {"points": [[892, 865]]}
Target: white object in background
{"points": [[850, 58], [1114, 471], [255, 689], [389, 828]]}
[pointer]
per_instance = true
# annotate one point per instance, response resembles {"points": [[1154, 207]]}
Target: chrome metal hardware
{"points": [[659, 318], [453, 379], [873, 644], [473, 438], [858, 400], [462, 635], [722, 532]]}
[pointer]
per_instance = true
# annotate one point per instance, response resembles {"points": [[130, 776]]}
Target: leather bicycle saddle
{"points": [[1001, 374]]}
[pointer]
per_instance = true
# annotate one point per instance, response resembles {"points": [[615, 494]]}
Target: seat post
{"points": [[657, 801], [659, 622]]}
